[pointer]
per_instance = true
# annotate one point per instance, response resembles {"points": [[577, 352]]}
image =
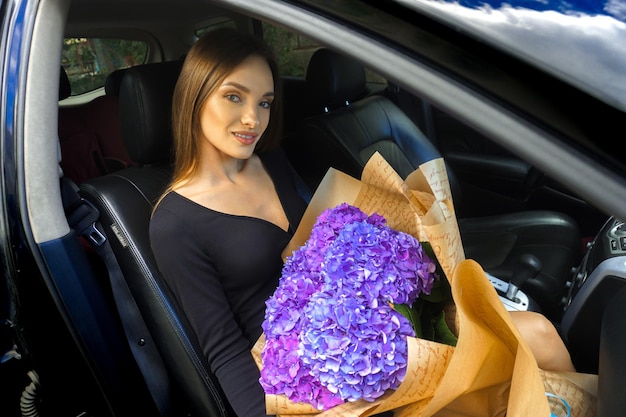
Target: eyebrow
{"points": [[245, 89]]}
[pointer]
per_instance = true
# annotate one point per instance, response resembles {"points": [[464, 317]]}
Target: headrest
{"points": [[65, 90], [145, 110], [113, 82], [334, 79]]}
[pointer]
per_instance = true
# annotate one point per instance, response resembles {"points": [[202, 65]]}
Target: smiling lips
{"points": [[247, 138]]}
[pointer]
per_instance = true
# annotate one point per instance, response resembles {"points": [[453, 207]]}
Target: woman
{"points": [[232, 206]]}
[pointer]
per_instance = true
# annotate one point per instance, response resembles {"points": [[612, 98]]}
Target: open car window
{"points": [[294, 51], [88, 61]]}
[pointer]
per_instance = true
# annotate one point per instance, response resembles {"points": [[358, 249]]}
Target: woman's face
{"points": [[237, 113]]}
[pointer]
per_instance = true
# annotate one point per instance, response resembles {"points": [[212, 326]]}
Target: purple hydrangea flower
{"points": [[332, 334]]}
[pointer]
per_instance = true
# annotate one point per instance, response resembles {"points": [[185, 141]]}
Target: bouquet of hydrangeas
{"points": [[355, 326], [333, 329]]}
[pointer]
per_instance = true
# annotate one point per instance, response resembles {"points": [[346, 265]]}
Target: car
{"points": [[525, 101]]}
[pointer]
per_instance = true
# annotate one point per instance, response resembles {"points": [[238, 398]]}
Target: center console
{"points": [[595, 282], [510, 293], [517, 301]]}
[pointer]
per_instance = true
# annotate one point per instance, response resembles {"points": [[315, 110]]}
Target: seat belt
{"points": [[83, 218]]}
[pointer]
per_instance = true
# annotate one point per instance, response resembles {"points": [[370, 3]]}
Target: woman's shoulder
{"points": [[172, 211], [170, 202], [176, 210], [179, 219]]}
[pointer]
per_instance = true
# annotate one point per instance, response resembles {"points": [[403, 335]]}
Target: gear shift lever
{"points": [[528, 269]]}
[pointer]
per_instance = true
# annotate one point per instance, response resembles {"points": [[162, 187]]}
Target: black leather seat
{"points": [[125, 200], [355, 124]]}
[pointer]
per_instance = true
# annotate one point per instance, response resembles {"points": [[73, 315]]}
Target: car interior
{"points": [[125, 200], [115, 153]]}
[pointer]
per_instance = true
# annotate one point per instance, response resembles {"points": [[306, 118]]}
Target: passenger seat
{"points": [[125, 200], [354, 125]]}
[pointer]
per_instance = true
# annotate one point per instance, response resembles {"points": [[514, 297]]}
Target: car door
{"points": [[58, 327]]}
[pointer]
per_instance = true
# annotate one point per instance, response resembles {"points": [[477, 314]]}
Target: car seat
{"points": [[125, 200], [89, 133], [354, 124], [113, 82]]}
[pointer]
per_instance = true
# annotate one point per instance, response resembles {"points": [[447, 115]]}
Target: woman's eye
{"points": [[233, 97], [266, 104]]}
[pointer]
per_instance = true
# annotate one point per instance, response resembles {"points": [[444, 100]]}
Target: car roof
{"points": [[145, 14], [168, 26]]}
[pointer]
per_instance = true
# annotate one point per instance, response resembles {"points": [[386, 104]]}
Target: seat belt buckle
{"points": [[83, 217], [95, 236]]}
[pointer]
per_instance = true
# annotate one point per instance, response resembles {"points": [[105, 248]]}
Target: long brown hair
{"points": [[209, 61]]}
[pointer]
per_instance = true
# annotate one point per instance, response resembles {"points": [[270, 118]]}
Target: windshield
{"points": [[579, 41]]}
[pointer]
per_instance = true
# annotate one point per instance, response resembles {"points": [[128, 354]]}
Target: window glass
{"points": [[293, 52], [88, 61]]}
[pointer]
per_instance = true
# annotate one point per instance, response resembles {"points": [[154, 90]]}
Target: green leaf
{"points": [[412, 315], [443, 334], [426, 317], [440, 292]]}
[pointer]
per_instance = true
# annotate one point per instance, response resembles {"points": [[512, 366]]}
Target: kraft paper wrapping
{"points": [[421, 205], [491, 371]]}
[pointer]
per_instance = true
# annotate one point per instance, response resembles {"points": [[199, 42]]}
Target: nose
{"points": [[250, 116]]}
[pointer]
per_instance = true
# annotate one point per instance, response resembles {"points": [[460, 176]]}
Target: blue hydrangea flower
{"points": [[332, 334]]}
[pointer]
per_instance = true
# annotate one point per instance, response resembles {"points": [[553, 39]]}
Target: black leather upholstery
{"points": [[333, 79], [125, 200], [345, 136], [144, 113], [612, 368], [113, 82], [65, 89]]}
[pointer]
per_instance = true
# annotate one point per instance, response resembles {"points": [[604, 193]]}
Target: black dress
{"points": [[222, 268]]}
